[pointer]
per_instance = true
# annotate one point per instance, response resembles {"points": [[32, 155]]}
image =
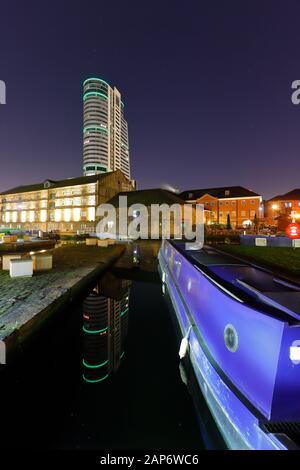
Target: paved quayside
{"points": [[26, 303]]}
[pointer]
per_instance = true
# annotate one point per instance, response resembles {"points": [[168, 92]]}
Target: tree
{"points": [[255, 222], [228, 225]]}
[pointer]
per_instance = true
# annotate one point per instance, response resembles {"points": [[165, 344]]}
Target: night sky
{"points": [[206, 86]]}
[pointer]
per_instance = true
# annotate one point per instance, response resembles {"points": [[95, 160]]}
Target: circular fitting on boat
{"points": [[231, 338]]}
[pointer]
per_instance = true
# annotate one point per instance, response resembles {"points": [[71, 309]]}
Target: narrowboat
{"points": [[240, 328]]}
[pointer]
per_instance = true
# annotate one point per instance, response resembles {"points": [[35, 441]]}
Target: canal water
{"points": [[106, 375]]}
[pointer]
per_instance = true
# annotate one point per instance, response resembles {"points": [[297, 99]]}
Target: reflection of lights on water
{"points": [[183, 373], [96, 380]]}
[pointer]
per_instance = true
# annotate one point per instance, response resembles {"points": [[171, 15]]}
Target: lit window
{"points": [[43, 216], [76, 214], [57, 215], [91, 213], [67, 215]]}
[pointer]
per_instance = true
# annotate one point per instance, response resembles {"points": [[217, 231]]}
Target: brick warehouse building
{"points": [[243, 205], [65, 206]]}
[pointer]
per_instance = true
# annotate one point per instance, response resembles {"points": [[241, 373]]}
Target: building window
{"points": [[243, 201], [288, 204], [252, 201], [227, 192], [243, 214]]}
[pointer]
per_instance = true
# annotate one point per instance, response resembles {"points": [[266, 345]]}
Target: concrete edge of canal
{"points": [[59, 300]]}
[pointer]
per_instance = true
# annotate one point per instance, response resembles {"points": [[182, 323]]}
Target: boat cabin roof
{"points": [[247, 281]]}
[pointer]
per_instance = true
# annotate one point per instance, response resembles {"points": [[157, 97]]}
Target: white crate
{"points": [[21, 268], [103, 243], [296, 243], [260, 241], [91, 241], [6, 261]]}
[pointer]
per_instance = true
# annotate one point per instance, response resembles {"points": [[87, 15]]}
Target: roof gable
{"points": [[207, 197]]}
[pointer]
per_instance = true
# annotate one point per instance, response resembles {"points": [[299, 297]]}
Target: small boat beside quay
{"points": [[241, 330]]}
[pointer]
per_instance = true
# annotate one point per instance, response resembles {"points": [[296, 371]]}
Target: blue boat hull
{"points": [[238, 421]]}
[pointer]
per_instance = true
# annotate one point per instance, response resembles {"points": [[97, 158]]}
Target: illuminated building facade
{"points": [[242, 205], [288, 204], [105, 130], [105, 328], [64, 206]]}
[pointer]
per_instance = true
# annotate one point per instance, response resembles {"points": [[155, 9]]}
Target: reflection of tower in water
{"points": [[105, 327]]}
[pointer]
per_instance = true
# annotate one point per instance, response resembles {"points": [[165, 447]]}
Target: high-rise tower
{"points": [[105, 130]]}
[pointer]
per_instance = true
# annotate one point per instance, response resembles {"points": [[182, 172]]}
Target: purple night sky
{"points": [[206, 86]]}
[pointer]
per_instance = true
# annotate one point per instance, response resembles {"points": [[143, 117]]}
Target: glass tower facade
{"points": [[105, 130]]}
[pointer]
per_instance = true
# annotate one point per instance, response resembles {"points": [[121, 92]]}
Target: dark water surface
{"points": [[105, 375]]}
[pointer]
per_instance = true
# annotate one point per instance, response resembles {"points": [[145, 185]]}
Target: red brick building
{"points": [[283, 204], [242, 205]]}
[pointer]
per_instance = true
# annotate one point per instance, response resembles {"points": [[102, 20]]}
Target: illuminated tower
{"points": [[105, 130]]}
